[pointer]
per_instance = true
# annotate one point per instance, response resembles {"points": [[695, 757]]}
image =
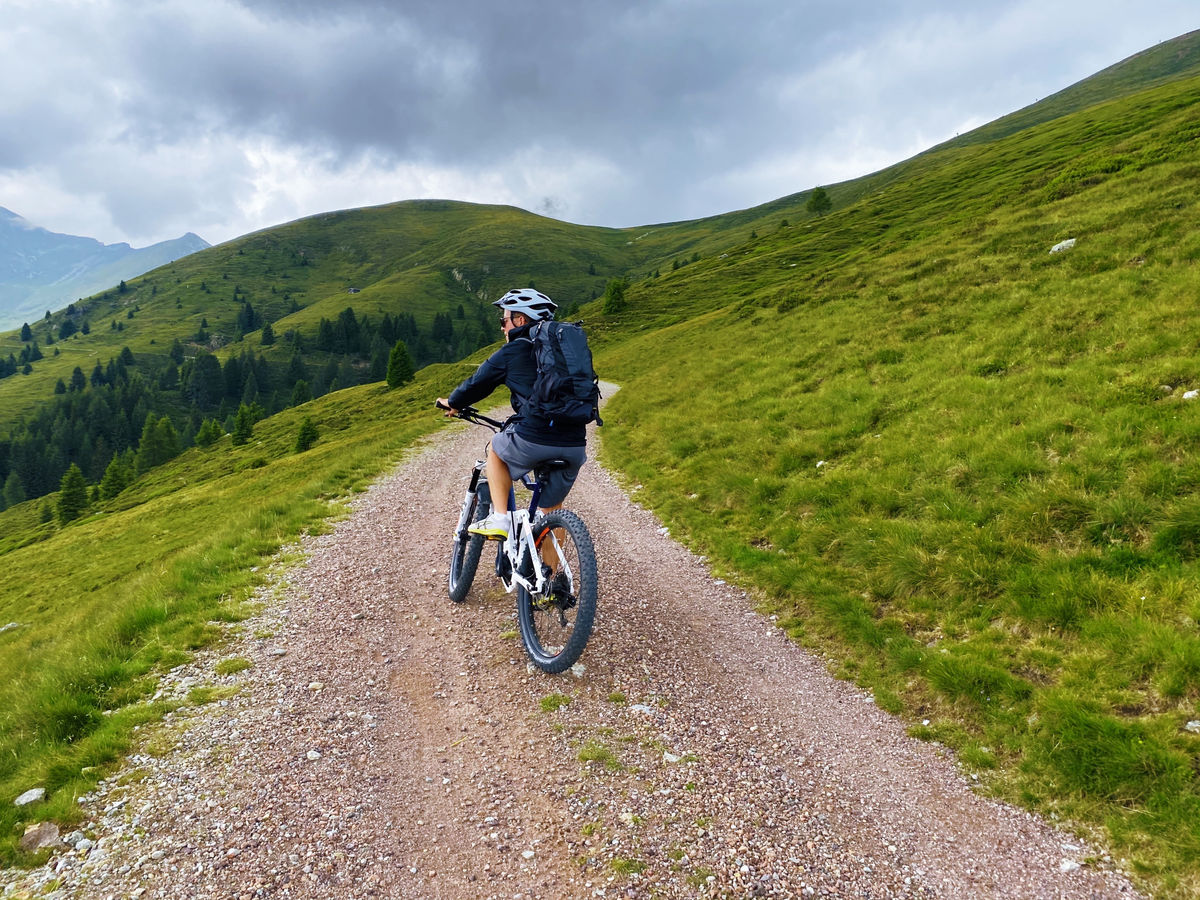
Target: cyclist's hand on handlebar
{"points": [[443, 403]]}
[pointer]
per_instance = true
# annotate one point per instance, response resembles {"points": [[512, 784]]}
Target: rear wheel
{"points": [[555, 625], [464, 558]]}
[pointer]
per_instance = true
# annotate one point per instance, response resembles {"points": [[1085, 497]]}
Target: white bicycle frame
{"points": [[519, 547]]}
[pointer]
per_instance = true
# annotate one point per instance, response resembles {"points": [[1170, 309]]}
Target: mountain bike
{"points": [[548, 561]]}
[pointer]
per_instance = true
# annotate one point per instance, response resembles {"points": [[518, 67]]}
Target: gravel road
{"points": [[387, 743]]}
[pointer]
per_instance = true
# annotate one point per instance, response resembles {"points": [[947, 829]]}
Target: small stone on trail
{"points": [[39, 836], [30, 796], [1068, 865], [314, 754]]}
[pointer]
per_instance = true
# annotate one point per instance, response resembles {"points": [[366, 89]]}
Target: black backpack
{"points": [[566, 390]]}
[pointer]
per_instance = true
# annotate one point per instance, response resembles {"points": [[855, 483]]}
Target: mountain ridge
{"points": [[42, 270]]}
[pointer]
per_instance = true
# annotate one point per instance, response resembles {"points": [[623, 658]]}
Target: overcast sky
{"points": [[139, 120]]}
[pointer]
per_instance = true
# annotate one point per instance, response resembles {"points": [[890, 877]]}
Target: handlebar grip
{"points": [[440, 405]]}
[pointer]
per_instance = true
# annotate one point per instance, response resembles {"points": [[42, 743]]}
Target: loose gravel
{"points": [[388, 743]]}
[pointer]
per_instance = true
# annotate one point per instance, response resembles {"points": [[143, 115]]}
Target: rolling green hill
{"points": [[959, 465]]}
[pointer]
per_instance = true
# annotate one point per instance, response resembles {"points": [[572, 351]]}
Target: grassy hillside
{"points": [[107, 603], [960, 466], [1163, 63], [420, 257]]}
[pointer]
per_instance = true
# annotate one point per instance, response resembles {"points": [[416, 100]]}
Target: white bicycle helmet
{"points": [[533, 304]]}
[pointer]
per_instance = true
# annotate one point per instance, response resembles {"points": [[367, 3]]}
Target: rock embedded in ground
{"points": [[33, 795], [39, 837]]}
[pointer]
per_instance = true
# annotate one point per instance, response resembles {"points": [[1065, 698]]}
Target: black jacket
{"points": [[513, 365]]}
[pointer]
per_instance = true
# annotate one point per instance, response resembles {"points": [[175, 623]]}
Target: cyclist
{"points": [[527, 439]]}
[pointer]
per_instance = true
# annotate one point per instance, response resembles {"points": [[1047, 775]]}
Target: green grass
{"points": [[232, 666], [554, 702], [598, 752], [621, 865], [960, 465], [110, 601]]}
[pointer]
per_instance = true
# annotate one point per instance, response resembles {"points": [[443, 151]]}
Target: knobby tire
{"points": [[555, 627], [464, 558]]}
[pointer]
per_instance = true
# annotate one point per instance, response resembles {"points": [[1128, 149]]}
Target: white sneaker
{"points": [[494, 527]]}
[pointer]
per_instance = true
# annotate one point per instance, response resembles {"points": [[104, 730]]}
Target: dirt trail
{"points": [[387, 743]]}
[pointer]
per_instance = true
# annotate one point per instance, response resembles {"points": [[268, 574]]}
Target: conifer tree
{"points": [[148, 453], [296, 370], [116, 478], [210, 432], [159, 443], [72, 496], [325, 335], [166, 440], [614, 296], [400, 366], [14, 491], [250, 390], [308, 435], [819, 202], [243, 426], [301, 393]]}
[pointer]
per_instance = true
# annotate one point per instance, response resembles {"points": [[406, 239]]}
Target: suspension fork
{"points": [[477, 478]]}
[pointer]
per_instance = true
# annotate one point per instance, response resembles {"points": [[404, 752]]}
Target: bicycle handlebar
{"points": [[471, 414]]}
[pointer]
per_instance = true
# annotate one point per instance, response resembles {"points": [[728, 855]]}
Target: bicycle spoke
{"points": [[556, 623]]}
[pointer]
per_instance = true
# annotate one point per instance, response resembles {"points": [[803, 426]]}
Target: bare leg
{"points": [[499, 481]]}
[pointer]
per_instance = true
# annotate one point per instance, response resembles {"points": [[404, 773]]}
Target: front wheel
{"points": [[464, 558], [556, 624]]}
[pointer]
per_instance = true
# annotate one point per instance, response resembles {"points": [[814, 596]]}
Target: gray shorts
{"points": [[522, 456]]}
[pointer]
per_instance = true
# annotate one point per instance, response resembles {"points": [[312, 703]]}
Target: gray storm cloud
{"points": [[166, 116]]}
